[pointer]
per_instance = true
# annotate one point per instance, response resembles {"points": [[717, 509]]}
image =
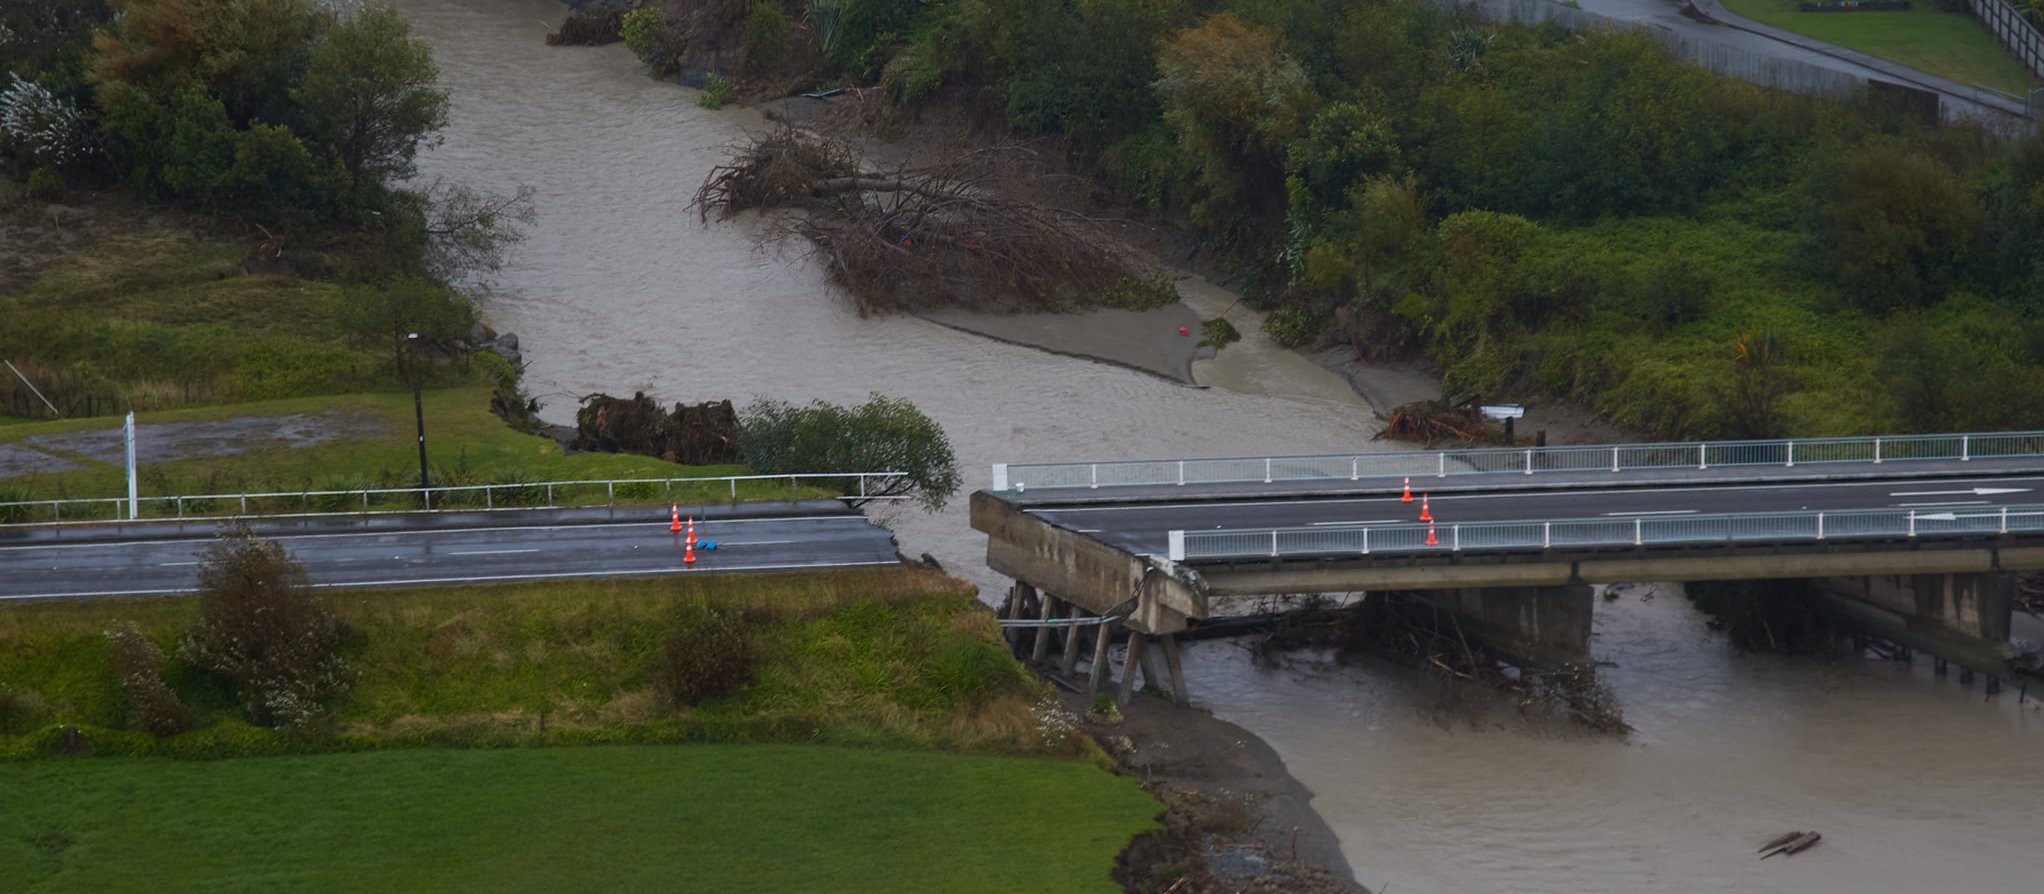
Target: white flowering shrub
{"points": [[50, 130], [267, 633]]}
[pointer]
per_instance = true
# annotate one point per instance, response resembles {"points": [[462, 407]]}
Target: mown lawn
{"points": [[711, 818], [465, 444], [1953, 46]]}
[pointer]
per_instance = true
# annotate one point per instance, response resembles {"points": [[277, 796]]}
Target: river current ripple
{"points": [[1916, 783]]}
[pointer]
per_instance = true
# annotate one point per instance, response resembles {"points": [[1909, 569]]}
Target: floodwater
{"points": [[1915, 783]]}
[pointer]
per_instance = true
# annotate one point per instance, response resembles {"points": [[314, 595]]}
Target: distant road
{"points": [[396, 551]]}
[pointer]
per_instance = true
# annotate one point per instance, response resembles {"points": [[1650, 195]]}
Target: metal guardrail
{"points": [[1521, 460], [385, 500], [1529, 536]]}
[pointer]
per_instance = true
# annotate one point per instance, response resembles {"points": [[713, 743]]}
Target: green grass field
{"points": [[465, 444], [709, 818], [1952, 46]]}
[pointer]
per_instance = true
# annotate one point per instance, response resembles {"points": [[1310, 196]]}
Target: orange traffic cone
{"points": [[1431, 541], [1425, 512], [1408, 492], [676, 525], [688, 552], [691, 538]]}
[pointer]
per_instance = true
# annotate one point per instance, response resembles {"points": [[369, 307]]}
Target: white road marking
{"points": [[1978, 492], [1657, 512], [494, 552], [1367, 521], [1945, 503], [176, 564], [724, 543], [477, 579]]}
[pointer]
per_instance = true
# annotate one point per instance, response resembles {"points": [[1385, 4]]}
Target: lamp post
{"points": [[419, 409]]}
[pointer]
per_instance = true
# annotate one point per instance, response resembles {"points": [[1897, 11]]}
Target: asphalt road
{"points": [[1144, 527], [136, 560]]}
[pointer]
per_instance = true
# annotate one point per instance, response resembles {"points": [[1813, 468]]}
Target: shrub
{"points": [[263, 630], [18, 710], [138, 664], [1218, 333], [1295, 325], [716, 92], [882, 435], [45, 184], [708, 655], [765, 42], [644, 30]]}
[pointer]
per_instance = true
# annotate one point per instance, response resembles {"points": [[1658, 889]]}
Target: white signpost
{"points": [[134, 505]]}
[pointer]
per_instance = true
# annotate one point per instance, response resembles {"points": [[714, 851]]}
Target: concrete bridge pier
{"points": [[1960, 617], [1539, 626]]}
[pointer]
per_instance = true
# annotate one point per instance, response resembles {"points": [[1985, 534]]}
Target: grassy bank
{"points": [[1951, 45], [366, 440], [687, 818], [889, 657]]}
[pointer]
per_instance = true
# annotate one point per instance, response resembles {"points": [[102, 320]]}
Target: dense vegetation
{"points": [[1536, 212], [285, 126], [886, 657]]}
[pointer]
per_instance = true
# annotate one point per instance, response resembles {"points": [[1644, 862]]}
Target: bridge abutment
{"points": [[1542, 626], [1958, 616]]}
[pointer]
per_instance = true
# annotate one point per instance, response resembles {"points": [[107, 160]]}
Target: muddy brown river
{"points": [[1916, 783]]}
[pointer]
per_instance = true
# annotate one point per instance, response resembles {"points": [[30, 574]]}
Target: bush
{"points": [[45, 184], [644, 31], [716, 92], [263, 630], [1218, 333], [765, 42], [707, 656], [881, 435], [18, 710], [138, 664], [1295, 325]]}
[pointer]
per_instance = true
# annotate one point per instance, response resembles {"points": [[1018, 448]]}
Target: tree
{"points": [[1900, 228], [262, 629], [882, 435], [369, 98], [1236, 102]]}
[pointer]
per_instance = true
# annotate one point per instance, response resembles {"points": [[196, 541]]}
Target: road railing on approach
{"points": [[1696, 455], [1639, 531], [859, 486]]}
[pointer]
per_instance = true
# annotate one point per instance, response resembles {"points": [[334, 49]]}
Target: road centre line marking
{"points": [[484, 578], [494, 552], [431, 531], [1945, 503], [1656, 512], [1367, 521], [1508, 495], [175, 564]]}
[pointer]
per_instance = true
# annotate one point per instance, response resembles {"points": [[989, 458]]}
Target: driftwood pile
{"points": [[589, 29], [1429, 421], [970, 231], [701, 435]]}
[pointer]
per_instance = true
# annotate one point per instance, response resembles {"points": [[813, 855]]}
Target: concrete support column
{"points": [[1129, 665], [1073, 634], [1096, 676], [1178, 690], [1961, 617], [1149, 662], [1021, 604], [1041, 647], [1536, 625]]}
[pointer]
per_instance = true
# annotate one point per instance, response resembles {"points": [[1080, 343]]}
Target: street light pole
{"points": [[419, 409]]}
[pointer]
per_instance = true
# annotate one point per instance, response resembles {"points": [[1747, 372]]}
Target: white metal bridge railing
{"points": [[1876, 450], [457, 498], [1524, 536]]}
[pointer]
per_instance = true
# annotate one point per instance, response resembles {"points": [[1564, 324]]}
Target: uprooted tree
{"points": [[957, 233]]}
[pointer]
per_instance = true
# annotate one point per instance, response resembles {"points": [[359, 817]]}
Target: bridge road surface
{"points": [[1143, 527], [393, 551]]}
